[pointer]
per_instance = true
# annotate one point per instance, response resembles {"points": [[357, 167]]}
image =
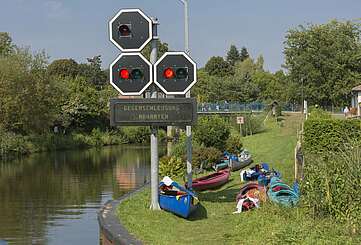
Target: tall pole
{"points": [[154, 134], [188, 95], [186, 27]]}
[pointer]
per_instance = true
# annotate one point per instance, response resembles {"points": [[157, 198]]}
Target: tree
{"points": [[27, 103], [162, 48], [208, 88], [63, 68], [217, 66], [92, 71], [327, 58], [260, 63], [80, 107], [244, 54], [245, 68], [233, 55], [6, 45], [212, 131]]}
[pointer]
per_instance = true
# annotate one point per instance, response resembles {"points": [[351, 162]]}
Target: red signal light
{"points": [[124, 30], [124, 74], [169, 73]]}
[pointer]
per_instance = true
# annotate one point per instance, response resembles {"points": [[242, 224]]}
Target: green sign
{"points": [[153, 112]]}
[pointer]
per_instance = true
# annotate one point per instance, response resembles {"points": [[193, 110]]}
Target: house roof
{"points": [[357, 88]]}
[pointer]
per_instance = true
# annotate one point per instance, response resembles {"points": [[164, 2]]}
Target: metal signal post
{"points": [[188, 95], [154, 135]]}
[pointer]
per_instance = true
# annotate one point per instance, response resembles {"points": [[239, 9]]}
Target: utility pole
{"points": [[154, 134], [188, 95]]}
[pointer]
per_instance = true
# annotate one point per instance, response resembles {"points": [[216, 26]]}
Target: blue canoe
{"points": [[177, 199]]}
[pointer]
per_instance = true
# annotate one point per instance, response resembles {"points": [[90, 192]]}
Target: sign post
{"points": [[240, 121], [154, 161]]}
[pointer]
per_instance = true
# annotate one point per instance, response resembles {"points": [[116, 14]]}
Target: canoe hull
{"points": [[182, 206], [237, 165], [222, 165], [211, 181]]}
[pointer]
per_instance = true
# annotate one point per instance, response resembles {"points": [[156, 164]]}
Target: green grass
{"points": [[214, 223]]}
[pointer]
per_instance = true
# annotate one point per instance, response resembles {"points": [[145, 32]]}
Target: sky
{"points": [[79, 28]]}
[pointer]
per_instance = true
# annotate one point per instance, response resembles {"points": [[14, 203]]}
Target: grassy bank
{"points": [[214, 222]]}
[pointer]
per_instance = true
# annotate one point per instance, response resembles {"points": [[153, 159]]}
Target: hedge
{"points": [[330, 135]]}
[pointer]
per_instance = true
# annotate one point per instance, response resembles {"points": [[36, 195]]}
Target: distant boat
{"points": [[211, 181], [244, 159], [221, 165], [176, 198]]}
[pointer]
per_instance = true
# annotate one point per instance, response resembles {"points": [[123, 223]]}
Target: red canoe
{"points": [[211, 181]]}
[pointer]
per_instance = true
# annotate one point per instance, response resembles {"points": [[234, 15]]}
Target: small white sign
{"points": [[240, 120]]}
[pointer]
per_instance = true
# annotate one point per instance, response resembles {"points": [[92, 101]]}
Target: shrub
{"points": [[137, 134], [171, 166], [212, 131], [318, 113], [206, 155], [329, 135], [253, 124], [179, 148], [234, 144], [332, 185], [11, 143]]}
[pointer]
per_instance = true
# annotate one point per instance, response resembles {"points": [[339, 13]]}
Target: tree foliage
{"points": [[244, 54], [92, 71], [6, 45], [35, 96], [248, 84], [162, 48], [233, 55], [327, 58], [64, 68], [217, 66], [26, 93], [212, 131]]}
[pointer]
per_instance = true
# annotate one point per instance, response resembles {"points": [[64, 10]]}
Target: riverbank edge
{"points": [[110, 225]]}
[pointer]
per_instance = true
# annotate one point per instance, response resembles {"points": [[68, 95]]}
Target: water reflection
{"points": [[53, 198]]}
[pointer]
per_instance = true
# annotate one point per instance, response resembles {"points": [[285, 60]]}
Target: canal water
{"points": [[53, 198]]}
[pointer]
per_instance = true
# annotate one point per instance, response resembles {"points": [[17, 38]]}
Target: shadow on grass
{"points": [[225, 195], [199, 214]]}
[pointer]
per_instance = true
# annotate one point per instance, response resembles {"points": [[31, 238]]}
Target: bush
{"points": [[179, 148], [137, 134], [253, 124], [206, 155], [11, 143], [234, 144], [329, 135], [318, 113], [212, 131], [332, 185], [171, 166]]}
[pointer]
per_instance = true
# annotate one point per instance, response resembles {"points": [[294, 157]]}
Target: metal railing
{"points": [[225, 107]]}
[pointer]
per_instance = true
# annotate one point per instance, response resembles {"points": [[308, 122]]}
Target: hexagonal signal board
{"points": [[175, 73], [131, 73], [130, 30]]}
